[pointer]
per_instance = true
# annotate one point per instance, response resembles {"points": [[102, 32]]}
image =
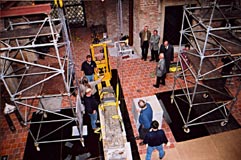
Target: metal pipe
{"points": [[29, 46], [207, 7], [195, 40], [45, 110], [62, 140], [205, 114], [48, 78], [224, 39], [179, 111], [50, 121], [41, 96], [33, 22], [207, 122], [29, 63], [55, 130], [28, 74], [57, 51]]}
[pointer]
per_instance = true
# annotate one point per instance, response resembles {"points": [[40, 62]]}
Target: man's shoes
{"points": [[163, 155], [141, 144], [155, 86], [151, 60], [145, 59], [142, 57]]}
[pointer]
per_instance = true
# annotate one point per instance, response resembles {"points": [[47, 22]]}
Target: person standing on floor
{"points": [[155, 138], [168, 51], [145, 36], [154, 42], [89, 68], [91, 107], [160, 71], [145, 119]]}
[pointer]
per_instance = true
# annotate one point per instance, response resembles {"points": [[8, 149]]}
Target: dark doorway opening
{"points": [[173, 24]]}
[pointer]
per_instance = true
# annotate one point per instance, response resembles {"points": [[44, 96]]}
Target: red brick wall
{"points": [[95, 12], [98, 12], [146, 12], [112, 23]]}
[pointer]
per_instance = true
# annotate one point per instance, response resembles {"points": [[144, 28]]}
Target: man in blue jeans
{"points": [[89, 68], [91, 107], [155, 138]]}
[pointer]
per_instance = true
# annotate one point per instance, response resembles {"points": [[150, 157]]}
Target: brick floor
{"points": [[136, 77]]}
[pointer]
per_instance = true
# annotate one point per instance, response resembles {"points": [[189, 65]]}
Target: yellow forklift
{"points": [[99, 54]]}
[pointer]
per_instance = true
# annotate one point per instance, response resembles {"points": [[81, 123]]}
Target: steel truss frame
{"points": [[27, 96], [205, 66]]}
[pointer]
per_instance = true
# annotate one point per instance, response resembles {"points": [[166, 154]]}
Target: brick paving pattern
{"points": [[136, 77]]}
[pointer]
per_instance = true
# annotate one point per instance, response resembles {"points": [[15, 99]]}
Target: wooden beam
{"points": [[26, 10]]}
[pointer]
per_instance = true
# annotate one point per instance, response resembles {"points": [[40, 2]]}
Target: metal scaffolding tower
{"points": [[214, 33], [39, 86]]}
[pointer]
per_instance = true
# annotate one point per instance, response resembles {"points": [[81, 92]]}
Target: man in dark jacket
{"points": [[89, 68], [168, 51], [145, 36], [145, 119], [91, 107], [155, 138]]}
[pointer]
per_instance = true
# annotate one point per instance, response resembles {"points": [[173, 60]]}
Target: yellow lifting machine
{"points": [[112, 128]]}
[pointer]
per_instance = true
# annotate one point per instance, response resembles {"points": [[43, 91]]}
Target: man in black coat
{"points": [[168, 51]]}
